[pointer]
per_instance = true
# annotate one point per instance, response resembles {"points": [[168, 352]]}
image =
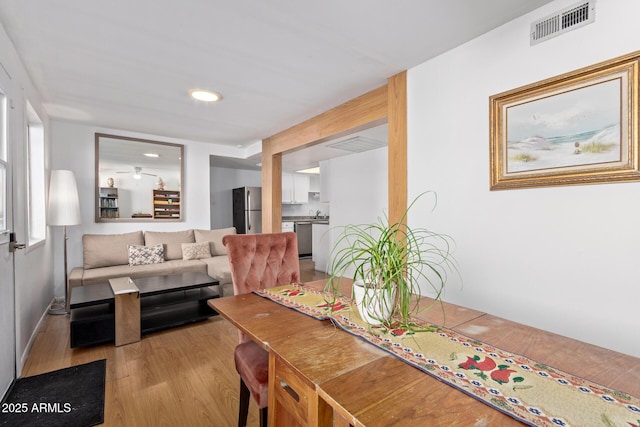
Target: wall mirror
{"points": [[138, 180]]}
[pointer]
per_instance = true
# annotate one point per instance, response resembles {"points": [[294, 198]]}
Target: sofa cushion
{"points": [[214, 237], [218, 268], [172, 241], [140, 255], [101, 250], [102, 275], [196, 250]]}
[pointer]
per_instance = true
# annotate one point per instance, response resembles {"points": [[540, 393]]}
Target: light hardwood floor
{"points": [[179, 377]]}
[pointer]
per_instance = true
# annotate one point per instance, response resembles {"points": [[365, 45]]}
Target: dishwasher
{"points": [[303, 230]]}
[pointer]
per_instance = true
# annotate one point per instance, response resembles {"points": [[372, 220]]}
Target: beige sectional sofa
{"points": [[106, 256]]}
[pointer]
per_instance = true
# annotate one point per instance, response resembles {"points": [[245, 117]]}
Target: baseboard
{"points": [[25, 354]]}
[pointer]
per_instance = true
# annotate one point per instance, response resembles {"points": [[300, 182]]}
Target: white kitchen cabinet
{"points": [[287, 188], [300, 188], [314, 183], [295, 188]]}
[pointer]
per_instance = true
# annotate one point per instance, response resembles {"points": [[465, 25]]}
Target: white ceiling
{"points": [[128, 64], [306, 158]]}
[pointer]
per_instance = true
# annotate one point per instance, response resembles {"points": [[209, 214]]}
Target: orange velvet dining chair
{"points": [[258, 261]]}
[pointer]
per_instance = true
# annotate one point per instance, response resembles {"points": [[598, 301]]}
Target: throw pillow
{"points": [[214, 237], [140, 255], [195, 250]]}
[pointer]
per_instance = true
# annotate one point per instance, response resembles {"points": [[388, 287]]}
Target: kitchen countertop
{"points": [[313, 220]]}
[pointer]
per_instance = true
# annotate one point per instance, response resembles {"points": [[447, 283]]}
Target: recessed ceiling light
{"points": [[152, 154], [205, 95]]}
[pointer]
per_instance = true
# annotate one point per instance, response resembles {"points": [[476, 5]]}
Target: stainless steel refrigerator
{"points": [[247, 210]]}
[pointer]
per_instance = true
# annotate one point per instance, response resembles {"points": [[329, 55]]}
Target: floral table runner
{"points": [[531, 392]]}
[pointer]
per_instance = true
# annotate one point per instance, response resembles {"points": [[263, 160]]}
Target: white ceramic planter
{"points": [[374, 305]]}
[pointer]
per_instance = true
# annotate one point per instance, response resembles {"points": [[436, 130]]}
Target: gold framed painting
{"points": [[576, 128]]}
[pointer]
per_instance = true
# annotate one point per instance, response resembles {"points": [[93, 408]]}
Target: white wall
{"points": [[33, 266], [364, 200], [562, 259], [223, 180], [73, 148]]}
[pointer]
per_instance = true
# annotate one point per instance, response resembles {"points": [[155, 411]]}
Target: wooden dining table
{"points": [[320, 375]]}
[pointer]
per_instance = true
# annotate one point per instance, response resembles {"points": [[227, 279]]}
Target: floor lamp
{"points": [[63, 210]]}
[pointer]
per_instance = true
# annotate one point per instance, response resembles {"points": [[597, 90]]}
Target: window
{"points": [[36, 177]]}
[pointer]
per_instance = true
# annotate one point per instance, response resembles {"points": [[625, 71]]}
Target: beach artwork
{"points": [[577, 128]]}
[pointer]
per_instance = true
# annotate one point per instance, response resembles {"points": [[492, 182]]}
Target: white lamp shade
{"points": [[64, 205]]}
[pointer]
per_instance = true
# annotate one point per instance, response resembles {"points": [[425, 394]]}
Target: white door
{"points": [[7, 290]]}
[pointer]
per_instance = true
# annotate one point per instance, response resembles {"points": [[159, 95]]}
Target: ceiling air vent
{"points": [[565, 20], [358, 144]]}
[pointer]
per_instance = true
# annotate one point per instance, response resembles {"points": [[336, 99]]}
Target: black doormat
{"points": [[70, 397]]}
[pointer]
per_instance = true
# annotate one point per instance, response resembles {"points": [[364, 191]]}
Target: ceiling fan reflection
{"points": [[137, 172]]}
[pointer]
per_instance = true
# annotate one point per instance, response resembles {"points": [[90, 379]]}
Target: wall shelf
{"points": [[108, 202], [166, 204]]}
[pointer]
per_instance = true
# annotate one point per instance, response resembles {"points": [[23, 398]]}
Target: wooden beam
{"points": [[397, 146], [386, 103], [271, 189], [360, 113]]}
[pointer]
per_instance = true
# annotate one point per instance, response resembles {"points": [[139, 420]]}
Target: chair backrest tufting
{"points": [[259, 261]]}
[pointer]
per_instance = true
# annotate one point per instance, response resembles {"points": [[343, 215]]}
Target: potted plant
{"points": [[388, 263]]}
